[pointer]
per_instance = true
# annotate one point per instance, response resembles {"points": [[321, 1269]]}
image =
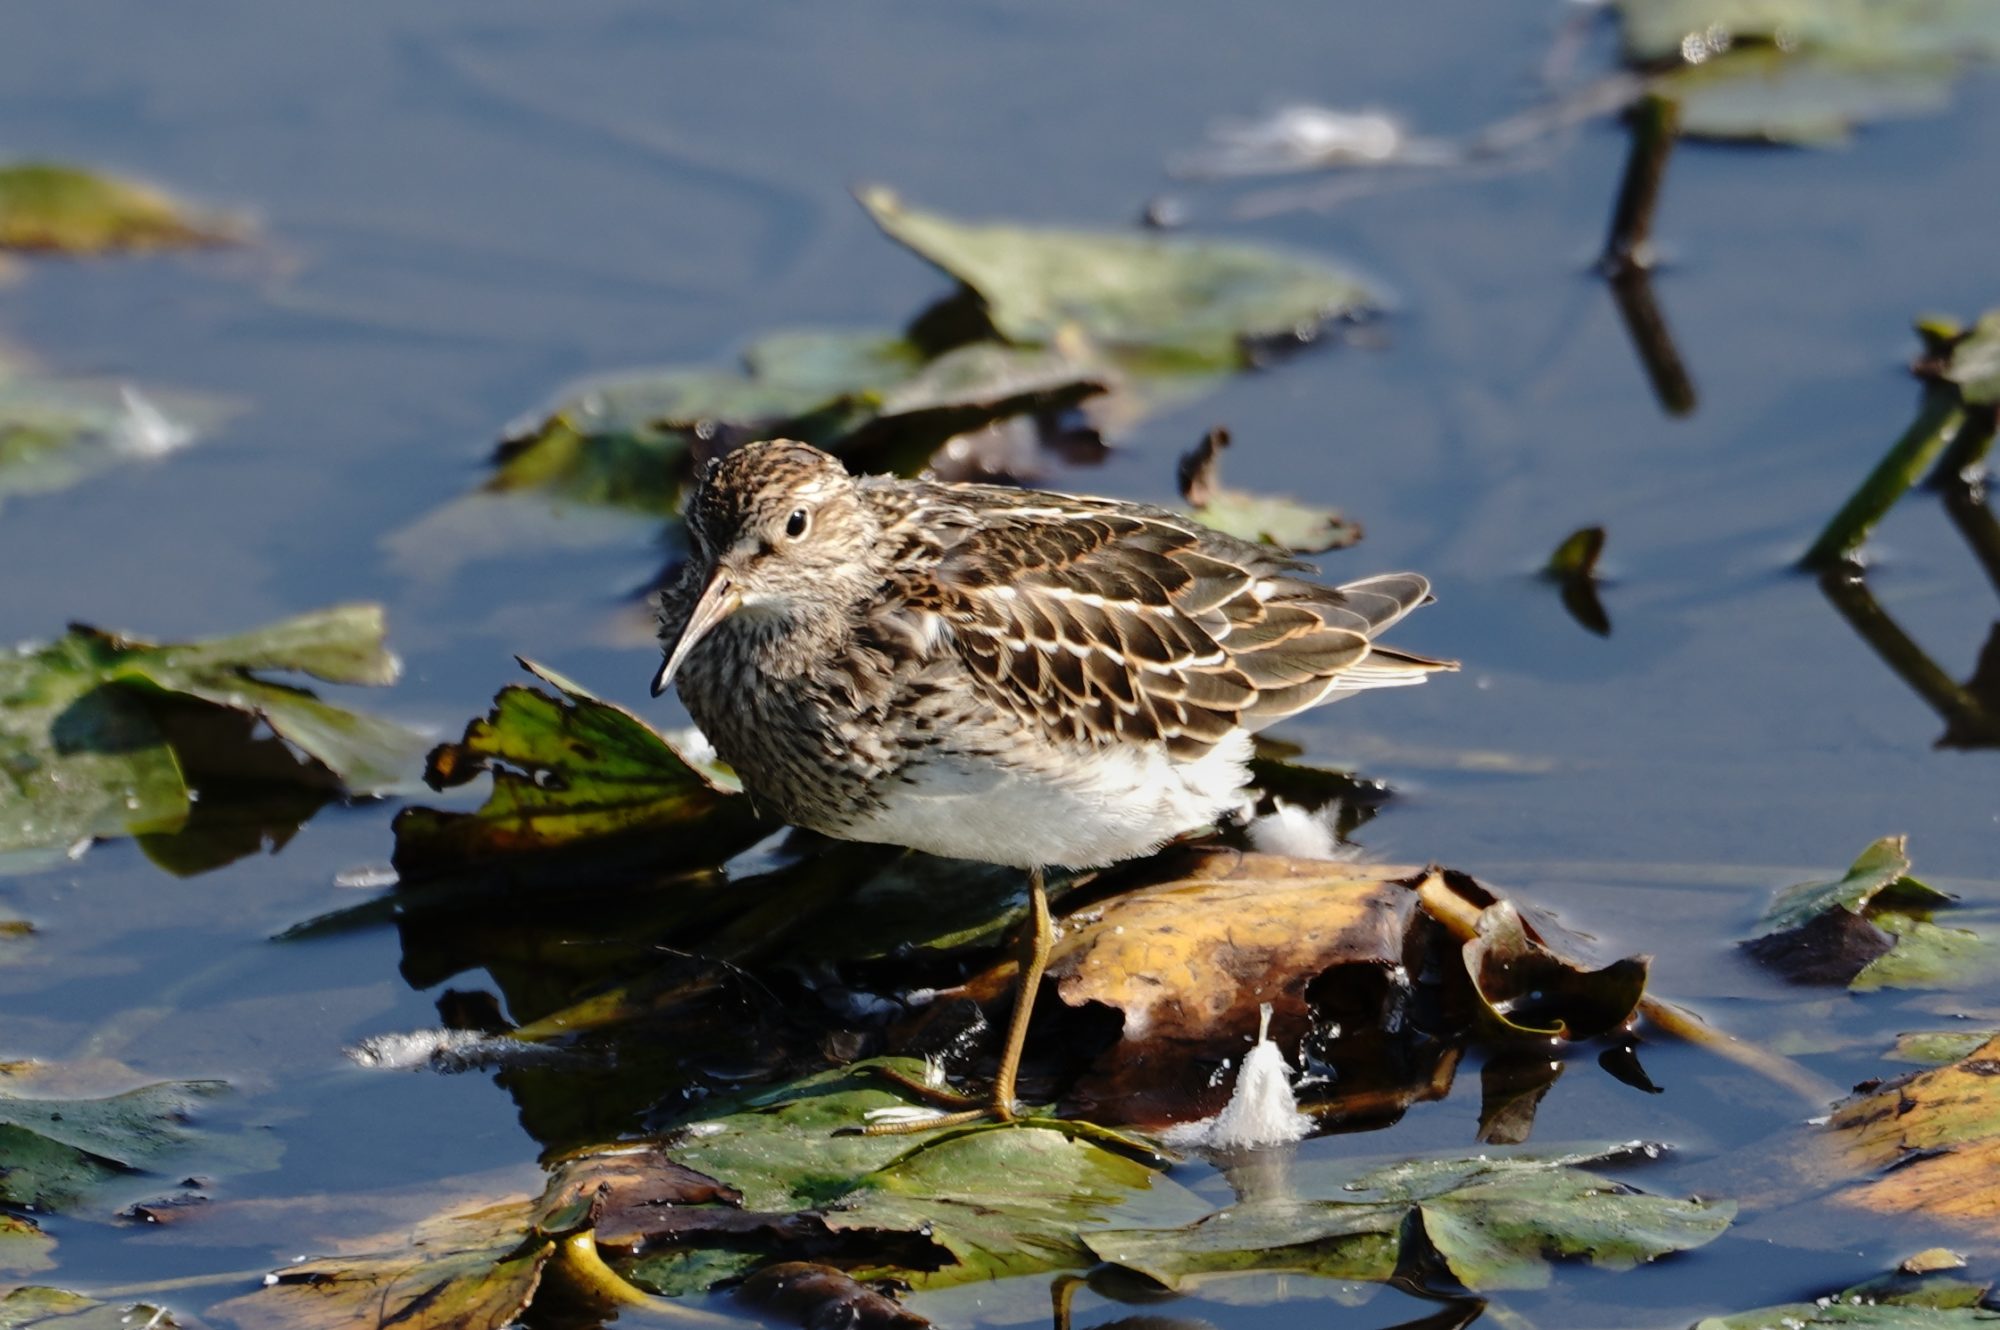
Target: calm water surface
{"points": [[468, 203]]}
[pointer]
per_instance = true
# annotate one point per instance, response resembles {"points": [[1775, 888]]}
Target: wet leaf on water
{"points": [[1934, 1048], [1693, 29], [46, 207], [1867, 929], [61, 1151], [819, 1295], [618, 1193], [468, 1271], [1573, 566], [57, 432], [36, 1307], [1803, 71], [86, 738], [1529, 989], [1926, 1298], [1286, 523], [568, 771], [1492, 1223], [24, 1250], [1187, 964], [627, 440], [1971, 359], [998, 1202], [1932, 1140], [1808, 99], [1201, 303]]}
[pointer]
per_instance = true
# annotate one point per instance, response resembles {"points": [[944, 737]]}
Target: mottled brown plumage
{"points": [[1093, 664]]}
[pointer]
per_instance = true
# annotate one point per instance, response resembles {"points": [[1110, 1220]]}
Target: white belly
{"points": [[1118, 804]]}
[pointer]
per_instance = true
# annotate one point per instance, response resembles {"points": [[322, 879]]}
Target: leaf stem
{"points": [[1461, 918], [578, 1261], [1938, 420]]}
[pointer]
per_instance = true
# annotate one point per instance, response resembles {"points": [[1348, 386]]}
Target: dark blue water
{"points": [[467, 204]]}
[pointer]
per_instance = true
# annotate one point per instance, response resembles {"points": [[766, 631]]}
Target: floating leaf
{"points": [[1200, 303], [1807, 99], [1529, 989], [1286, 523], [567, 771], [1845, 931], [1187, 963], [1494, 1223], [56, 1153], [469, 1271], [48, 207], [999, 1202], [1673, 29], [1803, 71], [626, 440], [1574, 566], [1918, 1296], [33, 1307], [86, 742], [819, 1295], [1972, 361], [1934, 1048], [56, 432], [24, 1249], [1933, 1138]]}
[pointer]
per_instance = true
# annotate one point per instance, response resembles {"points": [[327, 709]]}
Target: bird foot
{"points": [[903, 1120]]}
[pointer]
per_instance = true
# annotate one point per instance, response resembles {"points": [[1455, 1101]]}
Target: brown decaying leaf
{"points": [[626, 1195], [821, 1296], [1936, 1135], [1188, 962]]}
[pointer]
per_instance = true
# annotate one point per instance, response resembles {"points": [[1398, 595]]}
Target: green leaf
{"points": [[1939, 1300], [1286, 523], [1809, 99], [1974, 362], [569, 770], [33, 1307], [1002, 1201], [477, 1269], [85, 742], [24, 1249], [1657, 30], [48, 207], [1495, 1224], [1197, 302], [1868, 929], [1881, 868], [59, 1153], [1934, 1048], [55, 433]]}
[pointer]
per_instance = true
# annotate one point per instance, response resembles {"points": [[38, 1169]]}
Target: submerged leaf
{"points": [[45, 206], [86, 723], [1674, 29], [1529, 989], [1918, 1296], [57, 432], [569, 770], [471, 1271], [1187, 963], [1933, 1138], [1803, 98], [35, 1307], [1286, 523], [1494, 1223], [59, 1153], [1867, 929], [24, 1249], [1200, 302]]}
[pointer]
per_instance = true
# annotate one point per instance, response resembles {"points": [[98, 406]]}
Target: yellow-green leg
{"points": [[1037, 941]]}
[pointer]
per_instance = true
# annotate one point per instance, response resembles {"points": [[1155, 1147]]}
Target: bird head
{"points": [[777, 531]]}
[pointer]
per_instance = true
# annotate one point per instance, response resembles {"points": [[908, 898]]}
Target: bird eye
{"points": [[796, 524]]}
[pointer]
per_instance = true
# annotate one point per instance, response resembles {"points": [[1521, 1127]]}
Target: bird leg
{"points": [[1038, 939]]}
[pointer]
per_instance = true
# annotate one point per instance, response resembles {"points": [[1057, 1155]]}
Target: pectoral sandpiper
{"points": [[1020, 677]]}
